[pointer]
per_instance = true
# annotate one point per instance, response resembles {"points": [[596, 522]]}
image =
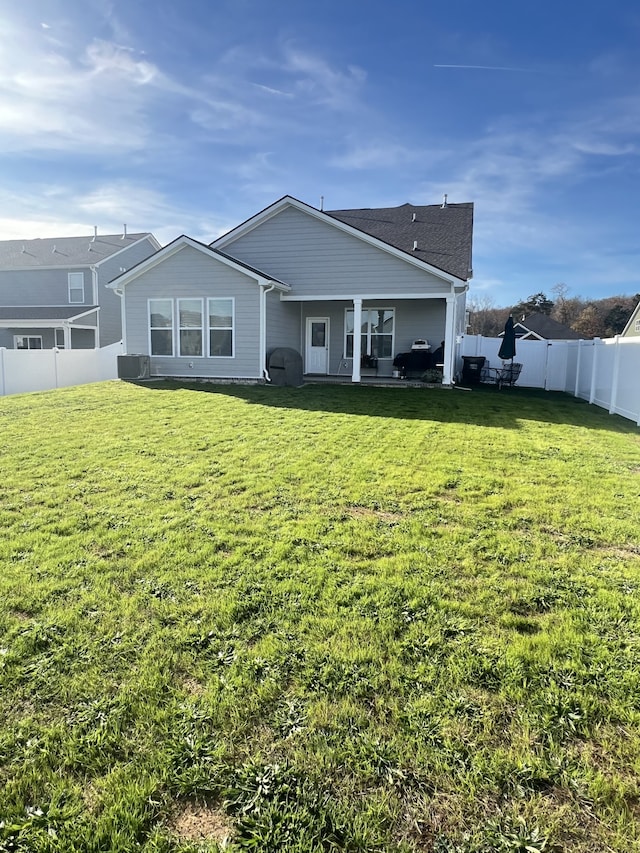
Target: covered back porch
{"points": [[333, 351]]}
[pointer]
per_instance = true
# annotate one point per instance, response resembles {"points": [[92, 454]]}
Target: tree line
{"points": [[590, 318]]}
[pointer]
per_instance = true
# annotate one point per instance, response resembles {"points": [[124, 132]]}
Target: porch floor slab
{"points": [[377, 381]]}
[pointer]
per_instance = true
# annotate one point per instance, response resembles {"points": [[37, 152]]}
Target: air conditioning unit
{"points": [[134, 366]]}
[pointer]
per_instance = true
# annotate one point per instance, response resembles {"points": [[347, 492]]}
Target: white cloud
{"points": [[61, 211]]}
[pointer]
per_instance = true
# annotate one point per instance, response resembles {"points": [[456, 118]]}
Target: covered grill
{"points": [[285, 367]]}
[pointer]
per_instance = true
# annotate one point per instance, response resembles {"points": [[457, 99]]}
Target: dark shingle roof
{"points": [[62, 251], [547, 328], [443, 234], [56, 312]]}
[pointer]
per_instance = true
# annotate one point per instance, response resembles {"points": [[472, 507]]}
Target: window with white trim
{"points": [[27, 341], [376, 332], [76, 287], [59, 338], [221, 323], [190, 327], [161, 326], [637, 325]]}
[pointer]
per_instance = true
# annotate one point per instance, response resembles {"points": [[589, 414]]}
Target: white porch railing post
{"points": [[357, 339], [2, 381]]}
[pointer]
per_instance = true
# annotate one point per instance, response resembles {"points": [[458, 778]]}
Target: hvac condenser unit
{"points": [[133, 367]]}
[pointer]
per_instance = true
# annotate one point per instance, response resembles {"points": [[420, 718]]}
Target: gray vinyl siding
{"points": [[82, 338], [109, 301], [317, 258], [413, 319], [41, 287], [191, 274], [283, 323]]}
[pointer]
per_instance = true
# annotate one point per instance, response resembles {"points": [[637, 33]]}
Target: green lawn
{"points": [[318, 619]]}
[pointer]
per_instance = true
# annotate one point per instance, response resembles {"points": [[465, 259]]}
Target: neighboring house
{"points": [[53, 291], [540, 327], [632, 329], [297, 277]]}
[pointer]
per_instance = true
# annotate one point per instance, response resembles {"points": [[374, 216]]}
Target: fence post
{"points": [[615, 378], [2, 380], [55, 366], [594, 371], [578, 360]]}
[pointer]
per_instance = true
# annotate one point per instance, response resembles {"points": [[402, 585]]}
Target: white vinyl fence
{"points": [[44, 369], [604, 372]]}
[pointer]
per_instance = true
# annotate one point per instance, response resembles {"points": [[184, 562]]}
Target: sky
{"points": [[189, 117]]}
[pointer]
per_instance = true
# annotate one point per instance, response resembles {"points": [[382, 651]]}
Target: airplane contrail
{"points": [[484, 67]]}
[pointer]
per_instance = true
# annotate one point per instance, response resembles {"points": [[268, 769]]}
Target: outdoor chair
{"points": [[508, 374]]}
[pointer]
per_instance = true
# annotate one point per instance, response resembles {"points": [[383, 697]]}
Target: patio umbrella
{"points": [[508, 346]]}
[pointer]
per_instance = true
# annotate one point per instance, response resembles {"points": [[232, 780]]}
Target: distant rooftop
{"points": [[63, 251], [440, 235]]}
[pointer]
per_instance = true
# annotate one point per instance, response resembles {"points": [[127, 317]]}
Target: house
{"points": [[632, 329], [53, 291], [540, 327], [297, 277]]}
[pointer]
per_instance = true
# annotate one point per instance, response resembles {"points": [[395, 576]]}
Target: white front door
{"points": [[317, 348]]}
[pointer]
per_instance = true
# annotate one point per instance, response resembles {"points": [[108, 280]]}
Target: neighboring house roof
{"points": [[449, 237], [180, 243], [15, 313], [631, 328], [65, 251], [442, 234], [544, 328]]}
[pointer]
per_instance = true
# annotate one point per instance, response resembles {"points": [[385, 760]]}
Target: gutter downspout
{"points": [[123, 317], [94, 275], [264, 289]]}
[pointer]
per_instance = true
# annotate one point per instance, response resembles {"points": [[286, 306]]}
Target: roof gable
{"points": [[47, 252], [344, 223], [177, 245]]}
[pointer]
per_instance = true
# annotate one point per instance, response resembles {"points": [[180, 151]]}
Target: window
{"points": [[27, 341], [76, 287], [221, 327], [59, 338], [637, 325], [190, 326], [161, 326], [376, 332]]}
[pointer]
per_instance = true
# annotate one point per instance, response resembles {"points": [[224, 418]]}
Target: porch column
{"points": [[67, 336], [449, 341], [357, 331]]}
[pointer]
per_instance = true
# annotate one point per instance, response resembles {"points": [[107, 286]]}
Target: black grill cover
{"points": [[285, 367]]}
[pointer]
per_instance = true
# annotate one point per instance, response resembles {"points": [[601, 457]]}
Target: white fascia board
{"points": [[59, 267], [635, 313], [289, 201], [43, 322], [148, 237], [349, 297], [177, 246]]}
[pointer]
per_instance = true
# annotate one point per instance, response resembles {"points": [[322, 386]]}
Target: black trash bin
{"points": [[472, 368]]}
